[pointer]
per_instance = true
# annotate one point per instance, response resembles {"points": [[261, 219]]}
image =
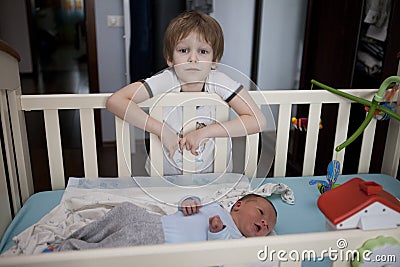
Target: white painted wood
{"points": [[282, 140], [311, 139], [123, 147], [391, 158], [9, 151], [366, 147], [88, 143], [342, 123], [250, 161], [238, 252], [54, 149], [156, 148], [221, 144], [5, 207], [189, 125], [21, 146]]}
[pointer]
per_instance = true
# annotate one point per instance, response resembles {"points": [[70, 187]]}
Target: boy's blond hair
{"points": [[194, 21]]}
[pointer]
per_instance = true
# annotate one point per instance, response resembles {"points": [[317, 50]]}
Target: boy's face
{"points": [[192, 59], [254, 217]]}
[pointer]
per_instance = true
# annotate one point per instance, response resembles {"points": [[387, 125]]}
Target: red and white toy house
{"points": [[359, 204]]}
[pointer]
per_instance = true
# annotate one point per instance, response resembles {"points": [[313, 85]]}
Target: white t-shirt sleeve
{"points": [[163, 82], [221, 84]]}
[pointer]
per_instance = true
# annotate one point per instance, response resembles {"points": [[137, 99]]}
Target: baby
{"points": [[251, 216]]}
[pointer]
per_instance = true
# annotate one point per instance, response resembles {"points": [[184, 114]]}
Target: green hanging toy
{"points": [[373, 106]]}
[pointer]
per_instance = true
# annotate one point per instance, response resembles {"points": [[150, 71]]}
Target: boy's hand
{"points": [[192, 141], [216, 224], [170, 141], [190, 206]]}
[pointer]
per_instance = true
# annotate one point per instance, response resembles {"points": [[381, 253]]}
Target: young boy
{"points": [[130, 225], [193, 46]]}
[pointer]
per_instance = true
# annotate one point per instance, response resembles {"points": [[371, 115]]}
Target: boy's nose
{"points": [[193, 57]]}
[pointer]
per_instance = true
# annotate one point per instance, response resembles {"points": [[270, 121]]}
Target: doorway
{"points": [[64, 56]]}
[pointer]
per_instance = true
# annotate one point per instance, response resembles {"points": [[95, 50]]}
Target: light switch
{"points": [[115, 21]]}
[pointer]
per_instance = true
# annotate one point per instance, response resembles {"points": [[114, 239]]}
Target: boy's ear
{"points": [[214, 65], [169, 63]]}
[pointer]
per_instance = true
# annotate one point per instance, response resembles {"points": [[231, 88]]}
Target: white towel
{"points": [[227, 200]]}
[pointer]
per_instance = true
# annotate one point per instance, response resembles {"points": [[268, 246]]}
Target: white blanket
{"points": [[86, 200]]}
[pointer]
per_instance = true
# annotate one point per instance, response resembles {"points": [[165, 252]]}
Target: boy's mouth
{"points": [[257, 228]]}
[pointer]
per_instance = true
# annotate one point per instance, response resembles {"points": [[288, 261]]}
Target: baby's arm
{"points": [[190, 206], [216, 224], [123, 104]]}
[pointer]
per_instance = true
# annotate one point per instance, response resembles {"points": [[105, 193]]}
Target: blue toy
{"points": [[333, 171]]}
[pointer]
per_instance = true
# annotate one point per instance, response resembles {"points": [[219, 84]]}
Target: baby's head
{"points": [[254, 215], [207, 28]]}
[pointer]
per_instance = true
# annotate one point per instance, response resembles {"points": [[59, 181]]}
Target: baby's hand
{"points": [[190, 206], [216, 224]]}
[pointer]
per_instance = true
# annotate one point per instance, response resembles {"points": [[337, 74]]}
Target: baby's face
{"points": [[255, 217], [192, 59]]}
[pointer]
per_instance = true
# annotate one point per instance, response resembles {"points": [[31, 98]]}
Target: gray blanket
{"points": [[124, 225]]}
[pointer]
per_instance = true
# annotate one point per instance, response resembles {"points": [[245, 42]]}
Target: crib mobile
{"points": [[382, 107], [381, 110]]}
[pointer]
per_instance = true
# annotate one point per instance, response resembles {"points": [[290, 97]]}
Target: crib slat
{"points": [[20, 145], [311, 139], [88, 143], [340, 263], [123, 147], [221, 144], [390, 163], [342, 125], [251, 155], [156, 149], [9, 151], [54, 150], [189, 124], [282, 140], [366, 147], [5, 209], [290, 263]]}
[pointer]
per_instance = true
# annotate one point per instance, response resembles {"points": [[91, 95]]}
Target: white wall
{"points": [[110, 58], [236, 18], [281, 46]]}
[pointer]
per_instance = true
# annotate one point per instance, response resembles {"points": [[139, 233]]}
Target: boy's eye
{"points": [[261, 212], [203, 51], [183, 50]]}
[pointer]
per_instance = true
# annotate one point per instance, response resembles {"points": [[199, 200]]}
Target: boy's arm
{"points": [[123, 104], [250, 120]]}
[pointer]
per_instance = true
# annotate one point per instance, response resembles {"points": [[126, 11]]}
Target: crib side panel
{"points": [[5, 205], [284, 250]]}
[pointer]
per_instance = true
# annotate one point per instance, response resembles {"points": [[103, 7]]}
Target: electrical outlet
{"points": [[115, 21]]}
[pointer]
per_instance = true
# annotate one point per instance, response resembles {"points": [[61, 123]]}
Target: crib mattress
{"points": [[302, 217]]}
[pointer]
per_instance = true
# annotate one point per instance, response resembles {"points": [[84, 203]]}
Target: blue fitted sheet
{"points": [[302, 217], [32, 211]]}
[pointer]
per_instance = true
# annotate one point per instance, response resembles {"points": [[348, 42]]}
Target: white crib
{"points": [[16, 169]]}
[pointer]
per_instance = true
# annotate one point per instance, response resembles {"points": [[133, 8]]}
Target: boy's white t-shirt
{"points": [[217, 82]]}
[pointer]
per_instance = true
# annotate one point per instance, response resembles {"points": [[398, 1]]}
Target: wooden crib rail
{"points": [[285, 99]]}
